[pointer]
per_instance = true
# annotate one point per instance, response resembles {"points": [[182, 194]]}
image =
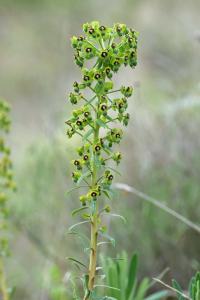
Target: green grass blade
{"points": [[131, 275]]}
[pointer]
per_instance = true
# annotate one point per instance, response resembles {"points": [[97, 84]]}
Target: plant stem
{"points": [[3, 287], [93, 253], [94, 223]]}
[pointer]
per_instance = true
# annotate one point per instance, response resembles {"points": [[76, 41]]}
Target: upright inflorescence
{"points": [[6, 184], [98, 118]]}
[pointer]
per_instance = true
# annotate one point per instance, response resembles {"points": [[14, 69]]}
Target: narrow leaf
{"points": [[157, 295], [116, 216], [106, 194], [177, 286], [75, 211], [101, 123], [83, 176], [107, 286], [88, 133], [76, 261], [77, 224], [142, 289], [105, 235], [132, 275]]}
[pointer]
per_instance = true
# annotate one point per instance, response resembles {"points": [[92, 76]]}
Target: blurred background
{"points": [[161, 146]]}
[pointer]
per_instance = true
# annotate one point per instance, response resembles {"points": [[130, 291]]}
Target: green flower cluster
{"points": [[106, 49], [6, 176]]}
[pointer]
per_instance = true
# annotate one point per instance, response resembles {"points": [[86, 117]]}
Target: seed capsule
{"points": [[101, 141], [102, 28], [103, 107], [97, 148], [132, 54], [86, 78], [76, 163], [104, 54], [85, 157], [110, 177], [107, 71], [80, 38], [88, 50], [93, 194], [79, 123], [97, 76], [117, 135], [86, 114], [91, 31]]}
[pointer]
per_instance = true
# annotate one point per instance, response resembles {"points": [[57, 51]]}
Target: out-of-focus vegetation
{"points": [[122, 274], [161, 147], [193, 288]]}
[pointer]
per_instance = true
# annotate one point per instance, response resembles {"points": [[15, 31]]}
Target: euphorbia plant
{"points": [[98, 120], [6, 183]]}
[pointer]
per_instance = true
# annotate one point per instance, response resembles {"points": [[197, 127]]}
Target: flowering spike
{"points": [[97, 119]]}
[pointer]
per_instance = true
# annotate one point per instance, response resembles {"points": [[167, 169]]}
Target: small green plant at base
{"points": [[57, 289], [95, 120], [193, 289], [6, 184], [122, 274]]}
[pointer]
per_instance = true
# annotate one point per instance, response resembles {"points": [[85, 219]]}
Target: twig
{"points": [[171, 288], [161, 275]]}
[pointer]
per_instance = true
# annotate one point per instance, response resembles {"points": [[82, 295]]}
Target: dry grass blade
{"points": [[172, 289], [157, 203]]}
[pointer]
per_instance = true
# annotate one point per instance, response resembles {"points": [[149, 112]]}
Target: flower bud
{"points": [[76, 176], [108, 72], [117, 157], [107, 208], [70, 132], [127, 91], [126, 119], [76, 87], [83, 199], [74, 42], [79, 124]]}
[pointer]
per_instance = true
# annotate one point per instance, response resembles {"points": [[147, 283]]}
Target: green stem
{"points": [[115, 91], [3, 287], [94, 224]]}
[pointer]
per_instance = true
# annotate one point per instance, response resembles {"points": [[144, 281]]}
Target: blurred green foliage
{"points": [[161, 147], [193, 289], [122, 278]]}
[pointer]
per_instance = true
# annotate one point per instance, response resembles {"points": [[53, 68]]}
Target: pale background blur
{"points": [[161, 145]]}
